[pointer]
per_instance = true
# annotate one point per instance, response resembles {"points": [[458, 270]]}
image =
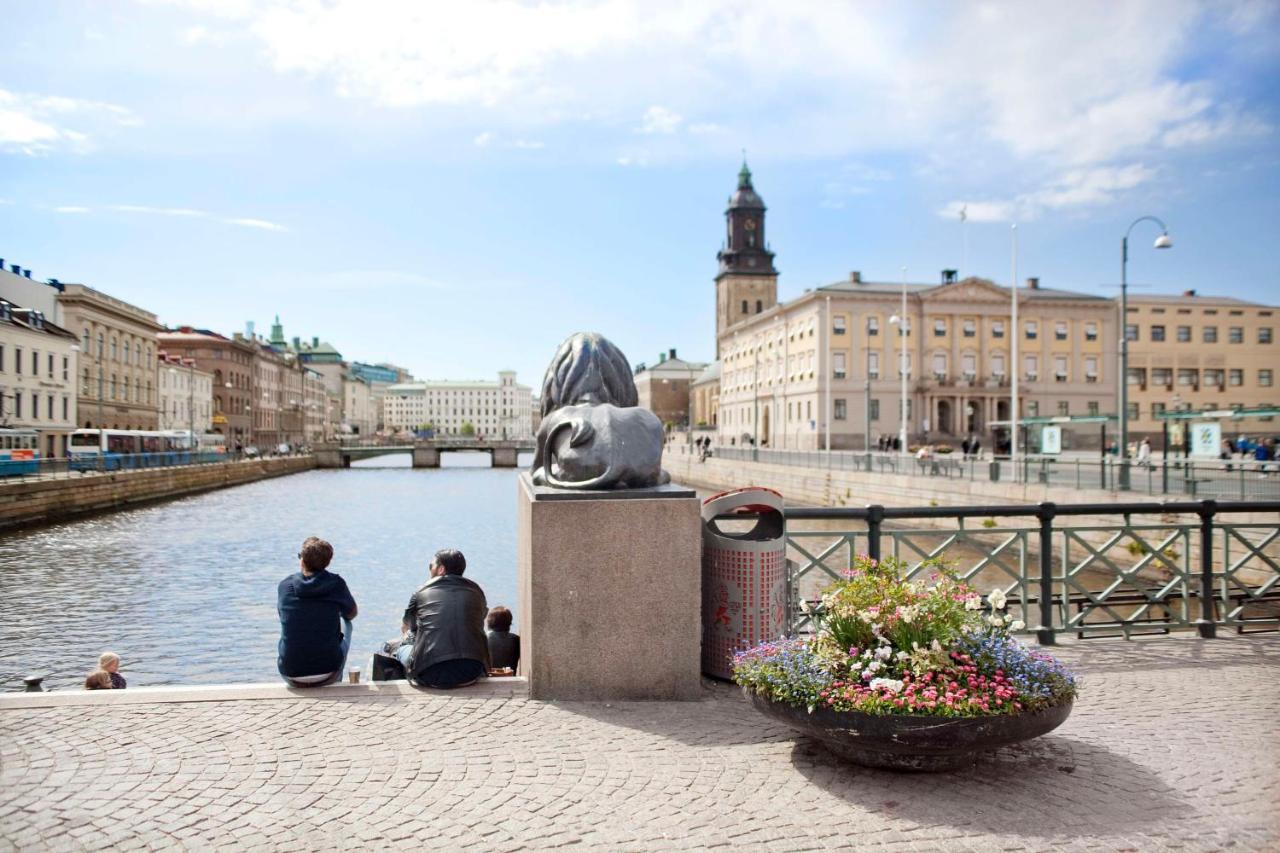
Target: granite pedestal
{"points": [[610, 592]]}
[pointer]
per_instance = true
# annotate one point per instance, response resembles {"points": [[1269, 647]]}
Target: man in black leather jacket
{"points": [[446, 617]]}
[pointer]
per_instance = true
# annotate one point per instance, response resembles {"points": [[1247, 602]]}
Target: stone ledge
{"points": [[490, 688]]}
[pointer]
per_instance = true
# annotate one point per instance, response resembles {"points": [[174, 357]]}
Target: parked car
{"points": [[283, 449], [251, 452]]}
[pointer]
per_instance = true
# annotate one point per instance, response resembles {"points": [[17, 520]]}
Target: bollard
{"points": [[33, 683]]}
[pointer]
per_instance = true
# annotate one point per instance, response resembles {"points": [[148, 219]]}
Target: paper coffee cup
{"points": [[353, 675]]}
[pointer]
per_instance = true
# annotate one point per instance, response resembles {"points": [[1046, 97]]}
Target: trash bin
{"points": [[995, 471], [744, 584]]}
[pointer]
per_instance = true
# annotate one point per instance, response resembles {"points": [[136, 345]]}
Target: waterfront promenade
{"points": [[1173, 744]]}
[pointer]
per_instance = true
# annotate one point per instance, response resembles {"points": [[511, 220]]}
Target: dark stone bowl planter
{"points": [[909, 742]]}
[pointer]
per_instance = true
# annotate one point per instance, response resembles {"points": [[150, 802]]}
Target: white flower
{"points": [[893, 685], [884, 652], [1017, 625], [936, 646], [902, 656], [996, 599], [995, 620], [875, 666], [973, 603], [805, 607]]}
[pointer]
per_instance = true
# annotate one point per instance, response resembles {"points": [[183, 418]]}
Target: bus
{"points": [[116, 449], [19, 452]]}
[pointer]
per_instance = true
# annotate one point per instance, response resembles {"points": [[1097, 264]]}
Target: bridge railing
{"points": [[1160, 567]]}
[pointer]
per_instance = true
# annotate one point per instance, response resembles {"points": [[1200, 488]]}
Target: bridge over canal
{"points": [[426, 453]]}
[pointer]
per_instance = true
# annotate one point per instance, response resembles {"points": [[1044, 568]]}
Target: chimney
{"points": [[1188, 293], [27, 273], [315, 342], [855, 277], [662, 356], [1033, 283], [17, 270], [186, 330], [297, 343], [948, 276], [672, 354]]}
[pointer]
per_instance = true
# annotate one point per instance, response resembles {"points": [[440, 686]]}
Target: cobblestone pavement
{"points": [[1174, 743]]}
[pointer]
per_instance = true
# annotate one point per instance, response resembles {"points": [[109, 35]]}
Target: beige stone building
{"points": [[186, 395], [706, 397], [833, 356], [499, 409], [37, 376], [1194, 353], [117, 362], [665, 388]]}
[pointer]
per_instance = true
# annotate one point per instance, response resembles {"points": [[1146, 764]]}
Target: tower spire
{"points": [[744, 175]]}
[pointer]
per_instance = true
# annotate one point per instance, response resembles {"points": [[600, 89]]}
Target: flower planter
{"points": [[912, 742]]}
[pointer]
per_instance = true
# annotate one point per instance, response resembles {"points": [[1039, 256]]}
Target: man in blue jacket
{"points": [[446, 620], [313, 649]]}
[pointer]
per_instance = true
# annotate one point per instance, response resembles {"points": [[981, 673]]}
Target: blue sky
{"points": [[457, 187]]}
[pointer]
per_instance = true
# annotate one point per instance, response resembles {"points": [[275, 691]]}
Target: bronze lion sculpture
{"points": [[593, 435]]}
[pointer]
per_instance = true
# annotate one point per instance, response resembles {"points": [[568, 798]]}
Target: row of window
{"points": [[20, 404], [20, 362], [969, 328], [120, 351], [127, 390], [1191, 376], [1208, 334]]}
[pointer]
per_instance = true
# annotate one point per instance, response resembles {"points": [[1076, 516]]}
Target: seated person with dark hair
{"points": [[446, 617], [313, 650], [504, 646]]}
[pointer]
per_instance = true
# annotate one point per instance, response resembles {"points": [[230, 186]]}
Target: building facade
{"points": [[37, 376], [665, 388], [230, 365], [1200, 353], [186, 395], [706, 397], [117, 362], [501, 409]]}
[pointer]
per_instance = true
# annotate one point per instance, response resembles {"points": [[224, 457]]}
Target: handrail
{"points": [[1030, 510]]}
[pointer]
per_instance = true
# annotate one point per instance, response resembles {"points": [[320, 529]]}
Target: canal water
{"points": [[185, 590]]}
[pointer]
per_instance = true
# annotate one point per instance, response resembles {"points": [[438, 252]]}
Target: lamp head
{"points": [[1164, 241]]}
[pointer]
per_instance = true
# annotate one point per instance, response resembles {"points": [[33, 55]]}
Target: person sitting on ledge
{"points": [[109, 662], [446, 617], [99, 679], [312, 649], [504, 646]]}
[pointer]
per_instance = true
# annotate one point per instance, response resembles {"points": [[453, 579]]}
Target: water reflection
{"points": [[185, 592]]}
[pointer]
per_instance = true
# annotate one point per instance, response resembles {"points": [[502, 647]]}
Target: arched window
{"points": [[101, 345], [759, 305], [115, 350], [87, 351], [137, 352], [745, 309]]}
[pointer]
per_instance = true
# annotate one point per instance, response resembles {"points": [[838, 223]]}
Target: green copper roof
{"points": [[744, 176]]}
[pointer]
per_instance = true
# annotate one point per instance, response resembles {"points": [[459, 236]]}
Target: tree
{"points": [[468, 428]]}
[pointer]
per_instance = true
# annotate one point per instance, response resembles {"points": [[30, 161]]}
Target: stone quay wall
{"points": [[44, 501]]}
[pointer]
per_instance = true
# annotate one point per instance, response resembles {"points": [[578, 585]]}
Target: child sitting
{"points": [[504, 646], [109, 662], [99, 679]]}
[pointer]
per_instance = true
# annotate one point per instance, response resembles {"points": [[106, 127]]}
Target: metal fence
{"points": [[1227, 479], [1161, 567], [64, 468]]}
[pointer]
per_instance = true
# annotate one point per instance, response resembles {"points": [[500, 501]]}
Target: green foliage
{"points": [[468, 428], [988, 522]]}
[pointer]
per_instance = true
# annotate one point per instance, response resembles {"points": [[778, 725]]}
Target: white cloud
{"points": [[71, 208], [660, 120], [256, 223], [482, 139], [38, 124], [159, 211], [1078, 188]]}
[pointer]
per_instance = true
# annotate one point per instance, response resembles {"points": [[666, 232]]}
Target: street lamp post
{"points": [[900, 320], [1162, 242], [1015, 414], [827, 369], [866, 394]]}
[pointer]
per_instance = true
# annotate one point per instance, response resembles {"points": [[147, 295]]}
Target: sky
{"points": [[456, 187]]}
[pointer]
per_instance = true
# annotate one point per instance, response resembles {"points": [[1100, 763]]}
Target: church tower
{"points": [[747, 282]]}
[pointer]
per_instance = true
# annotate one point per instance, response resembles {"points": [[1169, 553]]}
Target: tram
{"points": [[116, 449], [19, 452]]}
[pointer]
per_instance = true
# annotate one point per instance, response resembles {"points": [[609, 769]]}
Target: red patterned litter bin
{"points": [[744, 584]]}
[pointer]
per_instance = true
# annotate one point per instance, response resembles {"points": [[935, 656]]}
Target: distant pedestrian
{"points": [[311, 602], [109, 662], [1144, 453], [964, 447], [504, 646], [975, 448]]}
